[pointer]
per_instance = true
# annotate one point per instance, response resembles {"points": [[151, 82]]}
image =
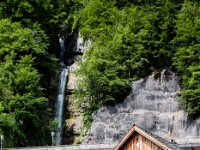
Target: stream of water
{"points": [[58, 115]]}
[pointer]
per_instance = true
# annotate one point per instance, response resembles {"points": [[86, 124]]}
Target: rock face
{"points": [[152, 104], [71, 112]]}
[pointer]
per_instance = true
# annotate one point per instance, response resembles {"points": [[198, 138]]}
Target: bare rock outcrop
{"points": [[152, 104]]}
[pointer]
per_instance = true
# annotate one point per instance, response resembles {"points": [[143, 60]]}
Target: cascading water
{"points": [[59, 105], [62, 48], [60, 96]]}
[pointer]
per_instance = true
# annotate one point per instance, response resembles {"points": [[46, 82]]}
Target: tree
{"points": [[187, 57], [21, 93], [127, 43]]}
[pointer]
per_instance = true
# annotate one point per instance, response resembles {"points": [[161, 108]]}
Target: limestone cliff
{"points": [[152, 104]]}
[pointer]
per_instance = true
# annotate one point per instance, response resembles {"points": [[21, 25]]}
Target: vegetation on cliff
{"points": [[130, 39], [187, 56]]}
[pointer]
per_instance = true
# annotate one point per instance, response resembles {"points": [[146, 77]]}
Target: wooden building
{"points": [[140, 139]]}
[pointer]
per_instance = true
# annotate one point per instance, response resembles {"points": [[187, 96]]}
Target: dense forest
{"points": [[129, 39], [29, 45]]}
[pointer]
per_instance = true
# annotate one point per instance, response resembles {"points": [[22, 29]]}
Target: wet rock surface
{"points": [[152, 104]]}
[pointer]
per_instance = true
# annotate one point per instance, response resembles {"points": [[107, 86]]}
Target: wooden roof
{"points": [[150, 136]]}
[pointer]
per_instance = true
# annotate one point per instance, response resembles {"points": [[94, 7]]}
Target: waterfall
{"points": [[58, 115], [62, 48], [59, 105]]}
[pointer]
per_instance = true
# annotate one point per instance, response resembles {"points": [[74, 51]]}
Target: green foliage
{"points": [[130, 39], [96, 18], [21, 96], [7, 127], [28, 41], [127, 42], [187, 57], [52, 125]]}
